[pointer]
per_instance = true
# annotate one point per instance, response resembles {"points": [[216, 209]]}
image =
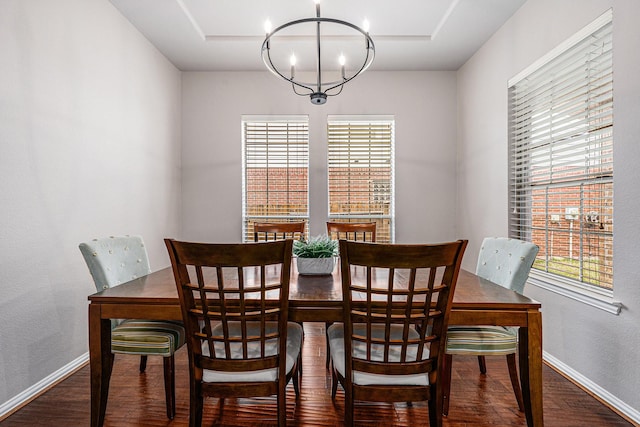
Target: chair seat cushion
{"points": [[337, 348], [482, 340], [294, 345], [147, 337]]}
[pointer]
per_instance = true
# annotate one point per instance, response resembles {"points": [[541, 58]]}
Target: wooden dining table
{"points": [[317, 299]]}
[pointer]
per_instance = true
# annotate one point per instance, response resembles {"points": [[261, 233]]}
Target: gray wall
{"points": [[424, 106], [89, 147], [601, 347]]}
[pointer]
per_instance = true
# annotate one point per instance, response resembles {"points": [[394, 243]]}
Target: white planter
{"points": [[315, 266]]}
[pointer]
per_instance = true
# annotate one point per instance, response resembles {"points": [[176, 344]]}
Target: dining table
{"points": [[317, 298]]}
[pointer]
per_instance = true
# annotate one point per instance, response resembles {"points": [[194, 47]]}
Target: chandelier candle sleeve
{"points": [[322, 87]]}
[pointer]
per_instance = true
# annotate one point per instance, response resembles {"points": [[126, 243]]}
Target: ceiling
{"points": [[227, 35]]}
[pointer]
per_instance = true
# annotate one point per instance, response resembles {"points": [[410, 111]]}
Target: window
{"points": [[561, 161], [361, 172], [275, 185]]}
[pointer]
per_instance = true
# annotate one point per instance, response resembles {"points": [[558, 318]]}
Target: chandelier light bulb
{"points": [[267, 26], [292, 61], [342, 60], [316, 1], [365, 25]]}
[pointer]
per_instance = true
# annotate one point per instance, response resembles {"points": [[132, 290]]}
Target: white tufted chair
{"points": [[116, 260], [506, 262]]}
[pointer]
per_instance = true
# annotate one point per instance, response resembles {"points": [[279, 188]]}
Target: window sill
{"points": [[602, 300]]}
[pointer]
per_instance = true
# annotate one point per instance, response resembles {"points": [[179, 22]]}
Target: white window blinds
{"points": [[276, 170], [561, 147], [361, 171]]}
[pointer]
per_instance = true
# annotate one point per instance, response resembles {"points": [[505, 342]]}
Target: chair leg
{"points": [[300, 364], [435, 403], [295, 378], [169, 386], [143, 363], [515, 383], [482, 364], [282, 407], [326, 336], [334, 383], [196, 403], [348, 408], [445, 373]]}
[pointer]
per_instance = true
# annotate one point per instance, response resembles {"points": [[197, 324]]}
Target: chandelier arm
{"points": [[293, 86], [273, 69], [341, 86], [370, 51]]}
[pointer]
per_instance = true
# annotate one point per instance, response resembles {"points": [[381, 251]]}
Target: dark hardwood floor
{"points": [[476, 400]]}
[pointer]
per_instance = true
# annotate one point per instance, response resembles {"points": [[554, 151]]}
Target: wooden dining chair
{"points": [[266, 231], [357, 231], [391, 344], [506, 262], [116, 260], [234, 302]]}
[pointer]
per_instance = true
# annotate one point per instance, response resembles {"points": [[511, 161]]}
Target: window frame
{"points": [[387, 120], [521, 194], [247, 233]]}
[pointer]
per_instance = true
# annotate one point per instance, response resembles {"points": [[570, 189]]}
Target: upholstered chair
{"points": [[116, 260], [506, 262]]}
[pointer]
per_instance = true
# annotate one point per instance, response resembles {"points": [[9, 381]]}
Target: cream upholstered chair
{"points": [[506, 262], [116, 260], [234, 301]]}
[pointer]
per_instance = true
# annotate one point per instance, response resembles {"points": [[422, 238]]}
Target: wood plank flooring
{"points": [[476, 400]]}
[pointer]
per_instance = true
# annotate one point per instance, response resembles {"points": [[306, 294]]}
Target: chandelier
{"points": [[326, 82]]}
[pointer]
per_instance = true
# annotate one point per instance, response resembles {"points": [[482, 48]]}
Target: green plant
{"points": [[316, 247]]}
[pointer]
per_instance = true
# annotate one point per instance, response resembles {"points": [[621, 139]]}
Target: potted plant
{"points": [[316, 255]]}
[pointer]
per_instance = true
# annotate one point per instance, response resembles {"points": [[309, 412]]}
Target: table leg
{"points": [[100, 361], [530, 355]]}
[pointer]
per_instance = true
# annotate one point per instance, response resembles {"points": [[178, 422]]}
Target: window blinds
{"points": [[360, 172], [276, 170], [561, 148]]}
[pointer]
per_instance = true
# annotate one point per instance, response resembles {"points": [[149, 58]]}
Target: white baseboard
{"points": [[18, 401], [632, 414]]}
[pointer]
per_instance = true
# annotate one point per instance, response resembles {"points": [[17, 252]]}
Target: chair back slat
{"points": [[356, 231], [264, 231]]}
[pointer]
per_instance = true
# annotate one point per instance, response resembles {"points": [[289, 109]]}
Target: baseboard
{"points": [[20, 400], [632, 415]]}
